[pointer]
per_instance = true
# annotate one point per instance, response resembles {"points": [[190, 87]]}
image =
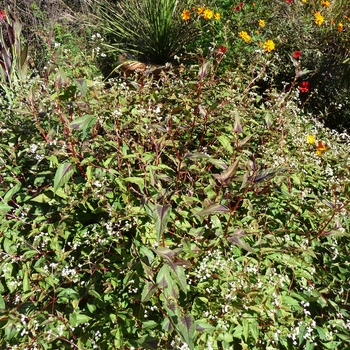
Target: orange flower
{"points": [[217, 16], [319, 19], [340, 27], [269, 45], [208, 14], [200, 10], [185, 15], [321, 148]]}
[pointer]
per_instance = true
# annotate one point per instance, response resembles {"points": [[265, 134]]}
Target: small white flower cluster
{"points": [[97, 38]]}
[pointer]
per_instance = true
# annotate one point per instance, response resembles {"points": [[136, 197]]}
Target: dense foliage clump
{"points": [[195, 205]]}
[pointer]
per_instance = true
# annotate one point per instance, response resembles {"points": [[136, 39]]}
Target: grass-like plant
{"points": [[150, 30], [14, 54]]}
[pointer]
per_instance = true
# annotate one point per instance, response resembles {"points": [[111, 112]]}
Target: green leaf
{"points": [[41, 198], [225, 178], [136, 180], [186, 328], [245, 329], [166, 282], [161, 215], [204, 327], [9, 194], [148, 291], [83, 123], [9, 246], [82, 86], [213, 209], [180, 276], [63, 174], [236, 238], [4, 208], [2, 303], [76, 318], [26, 280], [226, 143]]}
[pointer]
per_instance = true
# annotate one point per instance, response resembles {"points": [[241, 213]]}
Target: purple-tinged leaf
{"points": [[226, 177], [237, 238], [213, 209], [63, 174]]}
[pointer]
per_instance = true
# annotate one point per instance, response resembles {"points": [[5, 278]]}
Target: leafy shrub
{"points": [[183, 213]]}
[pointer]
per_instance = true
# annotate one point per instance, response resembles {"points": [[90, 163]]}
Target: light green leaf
{"points": [[83, 123], [237, 238], [204, 327], [63, 174], [9, 194], [226, 143], [225, 178], [4, 208], [213, 209], [136, 180], [26, 281], [76, 319]]}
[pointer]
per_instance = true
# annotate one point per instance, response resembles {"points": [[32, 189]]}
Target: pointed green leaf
{"points": [[204, 327], [180, 276], [76, 318], [186, 328], [26, 281], [213, 209], [148, 291], [9, 194], [237, 128], [4, 208], [83, 123], [226, 143], [237, 238], [225, 178], [161, 216], [63, 174], [136, 180]]}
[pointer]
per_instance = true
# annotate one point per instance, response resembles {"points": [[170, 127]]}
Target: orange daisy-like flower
{"points": [[269, 45], [217, 16], [208, 14], [185, 15], [319, 19], [340, 27], [245, 36], [321, 148], [200, 10]]}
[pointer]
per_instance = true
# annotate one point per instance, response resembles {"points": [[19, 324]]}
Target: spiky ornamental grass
{"points": [[151, 30]]}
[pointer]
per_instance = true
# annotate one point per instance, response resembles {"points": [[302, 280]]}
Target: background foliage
{"points": [[204, 207]]}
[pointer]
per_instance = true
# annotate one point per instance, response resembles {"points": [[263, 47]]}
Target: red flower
{"points": [[222, 50], [238, 7], [289, 1], [2, 15], [304, 86], [297, 54]]}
